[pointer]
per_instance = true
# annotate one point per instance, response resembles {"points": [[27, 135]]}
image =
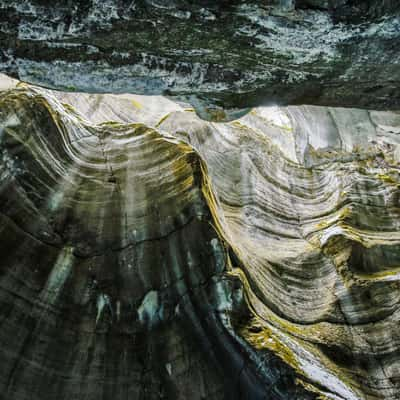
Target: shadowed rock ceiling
{"points": [[221, 56], [226, 240]]}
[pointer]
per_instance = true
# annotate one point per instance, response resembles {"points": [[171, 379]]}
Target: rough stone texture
{"points": [[149, 254], [214, 54]]}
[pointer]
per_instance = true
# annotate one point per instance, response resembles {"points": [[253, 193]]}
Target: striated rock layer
{"points": [[149, 254], [114, 280], [217, 55]]}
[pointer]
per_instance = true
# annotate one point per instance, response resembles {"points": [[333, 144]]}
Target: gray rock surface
{"points": [[223, 57]]}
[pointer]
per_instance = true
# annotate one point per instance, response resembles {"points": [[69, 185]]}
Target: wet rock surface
{"points": [[222, 57], [150, 254]]}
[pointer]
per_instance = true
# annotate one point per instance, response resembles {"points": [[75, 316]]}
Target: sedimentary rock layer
{"points": [[149, 254], [310, 204], [114, 280], [217, 55]]}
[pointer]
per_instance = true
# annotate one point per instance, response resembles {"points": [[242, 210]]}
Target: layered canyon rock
{"points": [[189, 208], [223, 57], [149, 254]]}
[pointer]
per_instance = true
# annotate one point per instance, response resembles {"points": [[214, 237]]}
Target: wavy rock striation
{"points": [[228, 55], [114, 280], [150, 254]]}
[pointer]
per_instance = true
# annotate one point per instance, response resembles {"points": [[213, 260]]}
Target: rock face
{"points": [[217, 55], [149, 254], [114, 280]]}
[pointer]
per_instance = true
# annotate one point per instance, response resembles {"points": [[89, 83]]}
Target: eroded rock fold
{"points": [[150, 254]]}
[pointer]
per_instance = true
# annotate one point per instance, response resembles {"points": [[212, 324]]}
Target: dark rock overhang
{"points": [[227, 55]]}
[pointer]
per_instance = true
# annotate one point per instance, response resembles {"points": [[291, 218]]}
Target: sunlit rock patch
{"points": [[149, 253]]}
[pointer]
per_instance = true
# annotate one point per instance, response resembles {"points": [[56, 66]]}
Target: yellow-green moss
{"points": [[216, 114], [388, 179], [136, 104], [262, 337]]}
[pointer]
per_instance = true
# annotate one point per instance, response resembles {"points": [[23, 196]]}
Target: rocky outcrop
{"points": [[150, 254], [222, 57]]}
